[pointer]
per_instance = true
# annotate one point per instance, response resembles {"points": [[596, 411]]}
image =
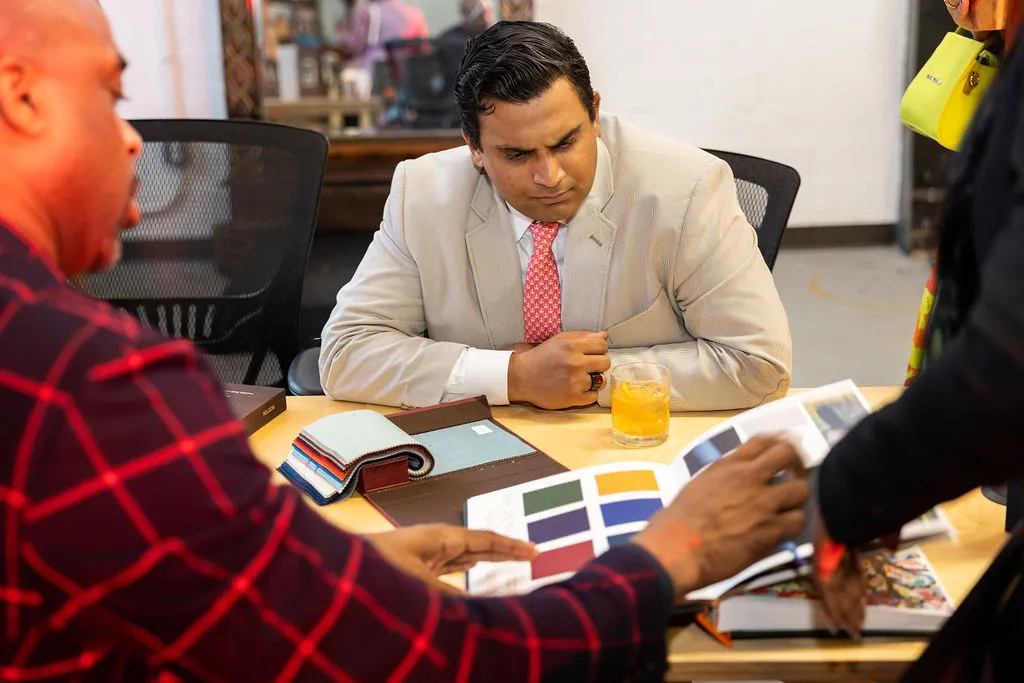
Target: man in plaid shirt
{"points": [[143, 541]]}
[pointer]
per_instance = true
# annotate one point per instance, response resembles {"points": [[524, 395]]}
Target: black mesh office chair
{"points": [[229, 209], [766, 191]]}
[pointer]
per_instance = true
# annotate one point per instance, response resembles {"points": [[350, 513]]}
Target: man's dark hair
{"points": [[516, 61]]}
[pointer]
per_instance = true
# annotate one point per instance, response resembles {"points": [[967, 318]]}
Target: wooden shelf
{"points": [[325, 113]]}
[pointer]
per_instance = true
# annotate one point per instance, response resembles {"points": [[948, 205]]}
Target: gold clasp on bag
{"points": [[972, 82]]}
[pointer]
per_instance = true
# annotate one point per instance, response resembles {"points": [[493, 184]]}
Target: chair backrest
{"points": [[229, 209], [766, 191]]}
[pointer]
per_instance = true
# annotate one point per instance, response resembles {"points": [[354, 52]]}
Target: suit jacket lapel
{"points": [[588, 252], [494, 259]]}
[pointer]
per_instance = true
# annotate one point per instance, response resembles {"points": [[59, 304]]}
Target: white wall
{"points": [[175, 69], [441, 14], [812, 83]]}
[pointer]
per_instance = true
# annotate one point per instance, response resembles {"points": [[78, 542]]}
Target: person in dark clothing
{"points": [[958, 425], [477, 17]]}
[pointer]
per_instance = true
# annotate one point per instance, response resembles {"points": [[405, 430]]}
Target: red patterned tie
{"points": [[542, 293]]}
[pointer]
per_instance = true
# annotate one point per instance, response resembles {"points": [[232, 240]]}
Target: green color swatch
{"points": [[552, 497]]}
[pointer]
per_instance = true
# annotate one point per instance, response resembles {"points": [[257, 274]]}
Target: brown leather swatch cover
{"points": [[441, 498], [382, 475]]}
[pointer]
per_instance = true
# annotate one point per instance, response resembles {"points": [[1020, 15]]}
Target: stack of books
{"points": [[904, 597]]}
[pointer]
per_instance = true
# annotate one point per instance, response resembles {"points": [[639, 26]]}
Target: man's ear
{"points": [[19, 108], [597, 113], [478, 155]]}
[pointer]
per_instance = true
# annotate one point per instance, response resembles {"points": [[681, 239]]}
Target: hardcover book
{"points": [[255, 406]]}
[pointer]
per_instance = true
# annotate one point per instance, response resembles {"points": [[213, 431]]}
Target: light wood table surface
{"points": [[580, 438]]}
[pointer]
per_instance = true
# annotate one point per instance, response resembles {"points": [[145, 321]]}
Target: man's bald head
{"points": [[68, 168], [43, 30]]}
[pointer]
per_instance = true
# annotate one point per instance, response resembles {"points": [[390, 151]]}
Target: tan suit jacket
{"points": [[659, 255]]}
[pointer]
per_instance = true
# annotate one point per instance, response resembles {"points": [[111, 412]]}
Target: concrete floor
{"points": [[851, 311]]}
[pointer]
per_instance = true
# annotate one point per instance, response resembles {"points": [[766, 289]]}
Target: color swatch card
{"points": [[571, 517], [575, 516]]}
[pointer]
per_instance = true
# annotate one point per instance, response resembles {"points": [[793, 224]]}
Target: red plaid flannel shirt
{"points": [[143, 541]]}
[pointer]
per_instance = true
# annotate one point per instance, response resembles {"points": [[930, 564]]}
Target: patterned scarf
{"points": [[923, 338], [917, 351]]}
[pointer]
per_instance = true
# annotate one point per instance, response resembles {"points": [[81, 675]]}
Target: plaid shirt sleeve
{"points": [[141, 529]]}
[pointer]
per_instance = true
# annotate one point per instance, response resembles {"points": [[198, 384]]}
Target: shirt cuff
{"points": [[480, 372]]}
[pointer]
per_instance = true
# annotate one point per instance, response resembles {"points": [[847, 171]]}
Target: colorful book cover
{"points": [[903, 580]]}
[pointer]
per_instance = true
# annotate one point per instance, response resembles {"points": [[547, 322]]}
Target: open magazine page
{"points": [[571, 517], [815, 420]]}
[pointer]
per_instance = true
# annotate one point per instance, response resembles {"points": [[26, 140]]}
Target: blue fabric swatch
{"points": [[460, 447]]}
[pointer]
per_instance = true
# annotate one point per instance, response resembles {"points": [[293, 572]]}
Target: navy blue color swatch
{"points": [[559, 526], [626, 511]]}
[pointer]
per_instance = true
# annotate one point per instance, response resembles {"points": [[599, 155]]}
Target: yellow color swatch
{"points": [[623, 482]]}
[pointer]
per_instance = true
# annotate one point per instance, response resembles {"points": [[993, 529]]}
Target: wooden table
{"points": [[583, 437]]}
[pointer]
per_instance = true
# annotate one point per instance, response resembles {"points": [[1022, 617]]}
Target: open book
{"points": [[575, 516], [904, 596]]}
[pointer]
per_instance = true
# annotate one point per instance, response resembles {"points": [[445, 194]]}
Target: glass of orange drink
{"points": [[641, 401]]}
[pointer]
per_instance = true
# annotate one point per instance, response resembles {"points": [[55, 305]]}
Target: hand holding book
{"points": [[841, 579], [733, 514]]}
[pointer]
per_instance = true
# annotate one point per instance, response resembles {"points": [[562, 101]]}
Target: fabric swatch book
{"points": [[575, 516], [452, 451], [329, 456], [904, 597]]}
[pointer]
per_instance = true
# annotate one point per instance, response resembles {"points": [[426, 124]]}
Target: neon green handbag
{"points": [[941, 100]]}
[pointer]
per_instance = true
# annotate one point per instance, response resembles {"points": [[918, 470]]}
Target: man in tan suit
{"points": [[556, 245]]}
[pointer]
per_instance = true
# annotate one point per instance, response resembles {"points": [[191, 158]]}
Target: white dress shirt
{"points": [[484, 371]]}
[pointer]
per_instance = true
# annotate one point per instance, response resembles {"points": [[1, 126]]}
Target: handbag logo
{"points": [[934, 79]]}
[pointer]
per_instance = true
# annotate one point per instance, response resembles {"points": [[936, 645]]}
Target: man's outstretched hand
{"points": [[428, 551], [730, 515]]}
